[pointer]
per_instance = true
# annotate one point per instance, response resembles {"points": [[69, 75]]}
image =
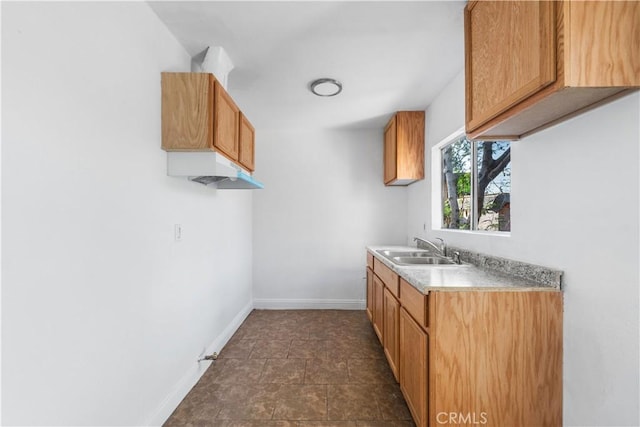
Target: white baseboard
{"points": [[299, 304], [193, 374]]}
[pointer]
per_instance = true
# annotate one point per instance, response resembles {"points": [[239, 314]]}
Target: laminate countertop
{"points": [[465, 277]]}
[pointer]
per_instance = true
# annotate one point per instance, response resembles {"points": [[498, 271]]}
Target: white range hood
{"points": [[210, 168]]}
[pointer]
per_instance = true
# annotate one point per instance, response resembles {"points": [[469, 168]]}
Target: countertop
{"points": [[456, 278]]}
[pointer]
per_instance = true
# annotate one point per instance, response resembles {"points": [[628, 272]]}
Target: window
{"points": [[475, 184]]}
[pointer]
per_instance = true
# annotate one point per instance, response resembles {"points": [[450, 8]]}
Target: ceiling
{"points": [[389, 56]]}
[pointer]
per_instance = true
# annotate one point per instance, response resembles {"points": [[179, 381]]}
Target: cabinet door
{"points": [[226, 123], [510, 54], [370, 294], [391, 331], [378, 306], [390, 154], [413, 367], [187, 112], [247, 142]]}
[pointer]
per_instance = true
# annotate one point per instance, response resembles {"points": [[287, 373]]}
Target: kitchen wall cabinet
{"points": [[199, 115], [414, 367], [404, 148], [246, 148], [226, 122], [531, 64], [391, 343]]}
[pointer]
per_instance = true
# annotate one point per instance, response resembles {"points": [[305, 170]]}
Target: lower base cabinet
{"points": [[370, 294], [414, 356], [378, 307], [468, 358], [391, 342], [495, 358]]}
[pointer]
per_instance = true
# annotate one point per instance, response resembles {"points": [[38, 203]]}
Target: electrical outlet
{"points": [[177, 232]]}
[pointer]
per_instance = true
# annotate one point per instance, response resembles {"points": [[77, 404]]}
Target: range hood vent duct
{"points": [[215, 61]]}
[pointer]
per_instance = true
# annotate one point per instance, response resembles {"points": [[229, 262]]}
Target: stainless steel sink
{"points": [[423, 260], [413, 254], [417, 258]]}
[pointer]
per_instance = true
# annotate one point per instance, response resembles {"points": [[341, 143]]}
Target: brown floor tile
{"points": [[297, 368], [369, 371], [301, 402], [342, 348], [327, 424], [385, 424], [308, 349], [325, 332], [326, 371], [391, 402], [234, 392], [231, 371], [237, 349], [284, 371], [247, 402], [248, 423], [352, 402], [270, 349], [202, 406]]}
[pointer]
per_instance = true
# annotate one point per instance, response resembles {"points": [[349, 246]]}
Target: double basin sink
{"points": [[417, 257]]}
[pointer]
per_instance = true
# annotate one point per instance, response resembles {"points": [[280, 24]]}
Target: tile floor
{"points": [[297, 368]]}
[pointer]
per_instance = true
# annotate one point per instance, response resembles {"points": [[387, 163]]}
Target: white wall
{"points": [[575, 208], [103, 313], [324, 202]]}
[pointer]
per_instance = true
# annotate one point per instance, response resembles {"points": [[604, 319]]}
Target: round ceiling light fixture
{"points": [[325, 87]]}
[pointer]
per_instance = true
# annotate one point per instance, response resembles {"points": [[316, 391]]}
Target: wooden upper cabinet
{"points": [[530, 64], [390, 170], [187, 113], [199, 115], [246, 143], [510, 56], [404, 148]]}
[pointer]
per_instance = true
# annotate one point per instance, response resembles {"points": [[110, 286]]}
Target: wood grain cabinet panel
{"points": [[378, 307], [414, 302], [531, 64], [246, 146], [187, 113], [199, 115], [388, 277], [391, 343], [390, 170], [497, 355], [370, 294], [414, 367], [404, 148], [226, 123]]}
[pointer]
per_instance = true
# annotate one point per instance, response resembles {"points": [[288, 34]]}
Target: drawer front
{"points": [[369, 260], [387, 276], [414, 302]]}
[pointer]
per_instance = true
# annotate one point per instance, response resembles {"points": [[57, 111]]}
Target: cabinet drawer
{"points": [[388, 277], [414, 302], [369, 260]]}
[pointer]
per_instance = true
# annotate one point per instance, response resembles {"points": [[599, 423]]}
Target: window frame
{"points": [[436, 188]]}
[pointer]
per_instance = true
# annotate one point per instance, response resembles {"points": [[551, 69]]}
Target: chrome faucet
{"points": [[442, 248]]}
